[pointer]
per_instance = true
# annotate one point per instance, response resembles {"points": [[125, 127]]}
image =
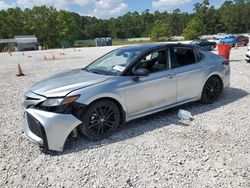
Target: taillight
{"points": [[226, 62]]}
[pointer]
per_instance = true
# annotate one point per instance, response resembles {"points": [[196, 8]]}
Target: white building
{"points": [[22, 43]]}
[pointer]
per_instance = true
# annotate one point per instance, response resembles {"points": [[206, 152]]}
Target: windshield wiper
{"points": [[84, 69], [96, 71]]}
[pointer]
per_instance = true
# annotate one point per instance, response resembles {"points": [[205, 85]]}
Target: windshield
{"points": [[113, 63], [195, 42]]}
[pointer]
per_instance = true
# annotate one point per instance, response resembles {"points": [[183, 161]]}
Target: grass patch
{"points": [[120, 43], [125, 42], [84, 44]]}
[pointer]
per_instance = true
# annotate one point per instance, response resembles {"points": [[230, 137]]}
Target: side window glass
{"points": [[183, 56], [199, 56], [155, 55], [153, 62]]}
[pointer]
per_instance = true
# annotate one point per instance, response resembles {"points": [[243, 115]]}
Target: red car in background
{"points": [[242, 40]]}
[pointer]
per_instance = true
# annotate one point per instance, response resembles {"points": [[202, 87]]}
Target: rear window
{"points": [[183, 56]]}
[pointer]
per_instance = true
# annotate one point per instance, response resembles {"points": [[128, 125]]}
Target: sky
{"points": [[108, 8]]}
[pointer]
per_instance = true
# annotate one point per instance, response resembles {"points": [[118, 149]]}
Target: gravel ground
{"points": [[155, 151]]}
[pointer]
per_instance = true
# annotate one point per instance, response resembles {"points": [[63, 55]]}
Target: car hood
{"points": [[61, 84]]}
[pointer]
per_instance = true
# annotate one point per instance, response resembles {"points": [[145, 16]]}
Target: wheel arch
{"points": [[210, 76], [205, 99], [215, 75]]}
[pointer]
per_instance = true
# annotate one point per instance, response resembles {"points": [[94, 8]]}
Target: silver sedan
{"points": [[124, 84]]}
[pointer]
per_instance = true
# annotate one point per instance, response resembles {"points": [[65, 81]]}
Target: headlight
{"points": [[59, 101], [52, 102]]}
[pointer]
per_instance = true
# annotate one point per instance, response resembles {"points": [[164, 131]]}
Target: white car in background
{"points": [[220, 36]]}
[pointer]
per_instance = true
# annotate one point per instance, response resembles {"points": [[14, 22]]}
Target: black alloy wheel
{"points": [[100, 120], [211, 90]]}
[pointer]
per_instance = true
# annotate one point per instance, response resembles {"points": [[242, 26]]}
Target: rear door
{"points": [[190, 69]]}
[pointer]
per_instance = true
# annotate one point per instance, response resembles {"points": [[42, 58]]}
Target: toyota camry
{"points": [[124, 84]]}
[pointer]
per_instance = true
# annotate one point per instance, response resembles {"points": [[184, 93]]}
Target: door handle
{"points": [[170, 75]]}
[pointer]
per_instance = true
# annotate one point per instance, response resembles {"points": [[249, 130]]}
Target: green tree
{"points": [[193, 29], [160, 31], [66, 27]]}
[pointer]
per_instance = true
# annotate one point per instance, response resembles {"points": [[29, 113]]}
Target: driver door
{"points": [[154, 91]]}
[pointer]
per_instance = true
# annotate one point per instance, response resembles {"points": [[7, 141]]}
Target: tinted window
{"points": [[183, 56], [155, 61], [204, 41], [199, 56], [196, 42]]}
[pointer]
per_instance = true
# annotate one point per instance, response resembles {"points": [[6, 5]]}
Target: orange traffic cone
{"points": [[19, 71]]}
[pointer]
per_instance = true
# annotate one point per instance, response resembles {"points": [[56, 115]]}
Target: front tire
{"points": [[100, 120], [211, 90]]}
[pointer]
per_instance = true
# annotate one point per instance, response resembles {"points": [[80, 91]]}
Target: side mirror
{"points": [[141, 72]]}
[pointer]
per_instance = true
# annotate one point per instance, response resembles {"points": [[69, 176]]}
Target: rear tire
{"points": [[100, 120], [211, 90]]}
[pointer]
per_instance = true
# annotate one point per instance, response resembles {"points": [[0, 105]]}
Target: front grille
{"points": [[37, 128]]}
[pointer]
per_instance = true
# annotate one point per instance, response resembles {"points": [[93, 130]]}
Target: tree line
{"points": [[52, 26]]}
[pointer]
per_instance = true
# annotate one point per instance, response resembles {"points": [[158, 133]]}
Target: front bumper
{"points": [[48, 129]]}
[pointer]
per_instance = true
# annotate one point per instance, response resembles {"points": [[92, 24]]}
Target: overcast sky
{"points": [[108, 8]]}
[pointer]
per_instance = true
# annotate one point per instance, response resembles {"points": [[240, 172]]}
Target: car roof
{"points": [[145, 47]]}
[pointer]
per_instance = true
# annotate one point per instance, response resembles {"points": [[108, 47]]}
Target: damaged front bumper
{"points": [[48, 129]]}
